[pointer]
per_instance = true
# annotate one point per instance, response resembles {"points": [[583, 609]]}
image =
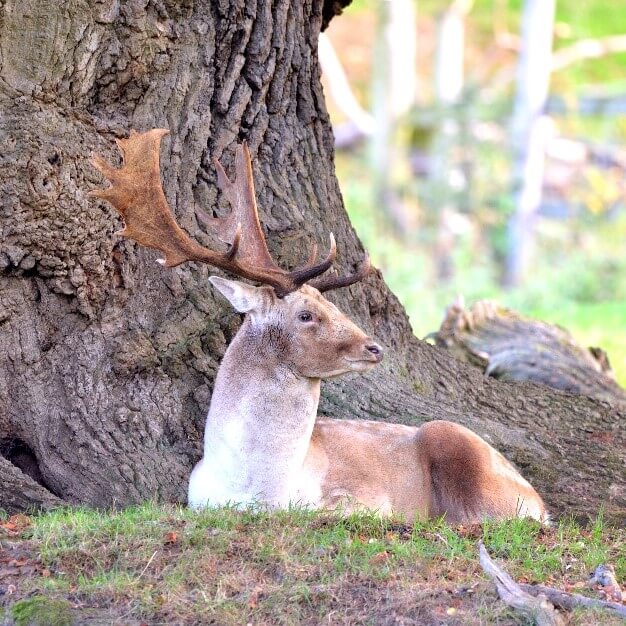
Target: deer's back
{"points": [[436, 469]]}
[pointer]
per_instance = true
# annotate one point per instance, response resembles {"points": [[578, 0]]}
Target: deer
{"points": [[264, 442]]}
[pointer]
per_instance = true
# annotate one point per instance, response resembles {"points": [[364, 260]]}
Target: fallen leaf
{"points": [[16, 523], [8, 526], [171, 537], [379, 558], [614, 593], [254, 597]]}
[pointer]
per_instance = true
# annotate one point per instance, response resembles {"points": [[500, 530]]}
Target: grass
{"points": [[162, 564], [42, 611]]}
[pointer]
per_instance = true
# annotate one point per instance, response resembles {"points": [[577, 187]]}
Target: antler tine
{"points": [[335, 282], [242, 199], [253, 248], [311, 270], [137, 194]]}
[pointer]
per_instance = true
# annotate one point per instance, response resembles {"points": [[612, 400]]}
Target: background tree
{"points": [[530, 130], [449, 65], [106, 359]]}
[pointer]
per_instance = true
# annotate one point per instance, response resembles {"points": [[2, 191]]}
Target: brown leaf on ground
{"points": [[253, 601], [16, 523], [379, 558], [472, 531], [615, 593], [170, 537]]}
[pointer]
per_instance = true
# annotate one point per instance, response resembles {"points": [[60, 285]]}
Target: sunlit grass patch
{"points": [[167, 564]]}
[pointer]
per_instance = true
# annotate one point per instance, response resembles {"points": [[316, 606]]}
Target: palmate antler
{"points": [[137, 194]]}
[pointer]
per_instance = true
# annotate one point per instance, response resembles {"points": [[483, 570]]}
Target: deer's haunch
{"points": [[262, 440]]}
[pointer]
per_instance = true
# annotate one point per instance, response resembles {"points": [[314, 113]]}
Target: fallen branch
{"points": [[604, 575], [539, 609], [571, 601], [510, 346]]}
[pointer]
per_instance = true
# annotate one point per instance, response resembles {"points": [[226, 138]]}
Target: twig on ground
{"points": [[143, 571], [538, 609], [571, 601]]}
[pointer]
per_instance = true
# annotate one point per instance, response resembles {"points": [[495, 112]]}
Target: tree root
{"points": [[539, 609], [19, 492], [538, 602]]}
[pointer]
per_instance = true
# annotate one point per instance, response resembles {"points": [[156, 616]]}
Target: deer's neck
{"points": [[260, 420]]}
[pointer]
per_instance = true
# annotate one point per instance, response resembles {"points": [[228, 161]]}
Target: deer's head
{"points": [[302, 330], [306, 331]]}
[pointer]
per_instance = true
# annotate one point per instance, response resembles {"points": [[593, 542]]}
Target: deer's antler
{"points": [[136, 192], [326, 283]]}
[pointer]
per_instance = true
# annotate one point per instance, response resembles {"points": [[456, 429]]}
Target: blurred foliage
{"points": [[578, 268], [579, 282]]}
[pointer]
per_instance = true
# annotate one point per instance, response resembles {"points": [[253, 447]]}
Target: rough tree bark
{"points": [[106, 359]]}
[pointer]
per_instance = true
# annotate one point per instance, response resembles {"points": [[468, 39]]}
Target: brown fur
{"points": [[440, 468], [264, 442]]}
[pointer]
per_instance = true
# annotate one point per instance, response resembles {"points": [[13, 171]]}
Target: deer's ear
{"points": [[244, 298]]}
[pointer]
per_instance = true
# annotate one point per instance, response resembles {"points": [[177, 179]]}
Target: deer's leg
{"points": [[470, 480]]}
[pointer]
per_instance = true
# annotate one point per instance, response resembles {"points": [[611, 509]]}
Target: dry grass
{"points": [[158, 564]]}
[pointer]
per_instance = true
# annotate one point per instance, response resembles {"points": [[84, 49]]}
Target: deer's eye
{"points": [[305, 316]]}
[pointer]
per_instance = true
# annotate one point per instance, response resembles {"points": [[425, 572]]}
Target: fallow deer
{"points": [[263, 441]]}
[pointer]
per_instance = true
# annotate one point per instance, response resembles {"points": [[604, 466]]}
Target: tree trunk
{"points": [[449, 79], [529, 133], [106, 358]]}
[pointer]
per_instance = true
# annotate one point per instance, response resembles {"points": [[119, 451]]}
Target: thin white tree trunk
{"points": [[393, 93], [360, 122], [529, 132], [445, 179]]}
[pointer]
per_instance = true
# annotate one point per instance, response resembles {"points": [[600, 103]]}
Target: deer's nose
{"points": [[376, 350]]}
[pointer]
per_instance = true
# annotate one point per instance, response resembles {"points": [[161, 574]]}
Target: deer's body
{"points": [[262, 441], [439, 468]]}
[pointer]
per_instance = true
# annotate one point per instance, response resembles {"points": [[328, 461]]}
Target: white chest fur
{"points": [[256, 440]]}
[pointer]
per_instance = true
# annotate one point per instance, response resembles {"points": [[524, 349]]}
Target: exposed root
{"points": [[539, 609]]}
